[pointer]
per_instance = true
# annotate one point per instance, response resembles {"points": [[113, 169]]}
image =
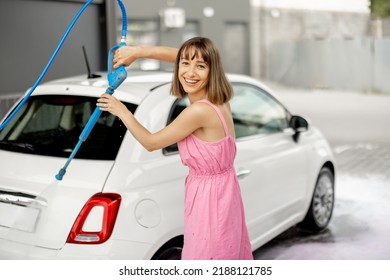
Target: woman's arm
{"points": [[128, 54], [189, 120]]}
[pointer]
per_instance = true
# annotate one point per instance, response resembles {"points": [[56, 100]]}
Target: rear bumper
{"points": [[112, 249]]}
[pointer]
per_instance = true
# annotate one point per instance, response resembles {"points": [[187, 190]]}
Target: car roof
{"points": [[146, 79], [135, 88], [137, 85]]}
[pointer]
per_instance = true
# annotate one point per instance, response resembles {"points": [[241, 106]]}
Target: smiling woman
{"points": [[204, 132], [193, 75], [196, 57]]}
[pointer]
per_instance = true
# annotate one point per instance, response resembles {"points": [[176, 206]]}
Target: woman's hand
{"points": [[110, 104], [126, 55]]}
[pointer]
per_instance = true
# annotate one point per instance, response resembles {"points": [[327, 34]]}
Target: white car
{"points": [[119, 201]]}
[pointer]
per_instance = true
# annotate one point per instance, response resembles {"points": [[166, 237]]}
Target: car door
{"points": [[270, 165]]}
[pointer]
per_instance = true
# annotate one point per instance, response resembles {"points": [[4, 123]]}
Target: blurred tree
{"points": [[380, 8]]}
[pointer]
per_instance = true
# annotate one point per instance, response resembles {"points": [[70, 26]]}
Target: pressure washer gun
{"points": [[115, 78]]}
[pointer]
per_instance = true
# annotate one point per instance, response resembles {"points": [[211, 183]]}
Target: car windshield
{"points": [[50, 125]]}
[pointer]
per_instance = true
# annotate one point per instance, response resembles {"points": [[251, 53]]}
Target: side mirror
{"points": [[298, 124]]}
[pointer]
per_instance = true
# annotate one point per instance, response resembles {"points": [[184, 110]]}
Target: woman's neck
{"points": [[196, 97]]}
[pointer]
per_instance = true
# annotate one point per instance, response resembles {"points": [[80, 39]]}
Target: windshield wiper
{"points": [[20, 146]]}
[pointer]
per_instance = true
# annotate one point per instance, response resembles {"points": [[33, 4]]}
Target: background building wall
{"points": [[277, 26], [227, 23], [30, 31], [322, 49]]}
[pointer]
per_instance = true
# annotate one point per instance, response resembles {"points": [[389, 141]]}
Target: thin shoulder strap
{"points": [[216, 108]]}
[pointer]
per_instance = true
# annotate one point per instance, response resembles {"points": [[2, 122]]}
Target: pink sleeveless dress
{"points": [[214, 220]]}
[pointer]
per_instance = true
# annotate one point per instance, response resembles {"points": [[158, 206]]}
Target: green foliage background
{"points": [[380, 8]]}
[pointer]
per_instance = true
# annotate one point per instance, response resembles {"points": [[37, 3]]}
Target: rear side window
{"points": [[50, 125]]}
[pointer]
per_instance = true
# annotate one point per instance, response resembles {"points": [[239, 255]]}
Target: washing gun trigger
{"points": [[116, 76]]}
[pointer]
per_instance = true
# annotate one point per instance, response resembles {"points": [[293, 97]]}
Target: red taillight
{"points": [[108, 203]]}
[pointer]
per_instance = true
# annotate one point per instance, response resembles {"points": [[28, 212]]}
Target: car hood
{"points": [[36, 208]]}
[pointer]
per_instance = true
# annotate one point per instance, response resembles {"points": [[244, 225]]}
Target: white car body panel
{"points": [[35, 175]]}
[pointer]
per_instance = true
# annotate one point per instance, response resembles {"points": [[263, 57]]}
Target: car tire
{"points": [[322, 203], [173, 253]]}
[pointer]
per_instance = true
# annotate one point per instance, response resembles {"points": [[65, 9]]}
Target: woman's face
{"points": [[193, 74]]}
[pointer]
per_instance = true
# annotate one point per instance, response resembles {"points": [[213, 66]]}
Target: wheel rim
{"points": [[323, 200]]}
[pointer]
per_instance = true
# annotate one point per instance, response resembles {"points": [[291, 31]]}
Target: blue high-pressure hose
{"points": [[114, 77], [27, 96]]}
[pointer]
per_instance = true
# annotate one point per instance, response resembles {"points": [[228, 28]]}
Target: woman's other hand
{"points": [[110, 104]]}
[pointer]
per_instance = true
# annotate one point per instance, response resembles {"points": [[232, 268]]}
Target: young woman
{"points": [[214, 221]]}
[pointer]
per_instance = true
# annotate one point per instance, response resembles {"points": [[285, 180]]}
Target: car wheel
{"points": [[173, 253], [321, 207]]}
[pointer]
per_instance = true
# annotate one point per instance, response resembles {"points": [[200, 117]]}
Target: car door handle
{"points": [[241, 174]]}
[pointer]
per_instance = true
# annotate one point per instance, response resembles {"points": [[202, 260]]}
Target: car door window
{"points": [[254, 111]]}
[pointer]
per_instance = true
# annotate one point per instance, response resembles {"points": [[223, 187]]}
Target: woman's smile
{"points": [[191, 82]]}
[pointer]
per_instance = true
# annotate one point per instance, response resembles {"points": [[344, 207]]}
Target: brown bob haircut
{"points": [[218, 88]]}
